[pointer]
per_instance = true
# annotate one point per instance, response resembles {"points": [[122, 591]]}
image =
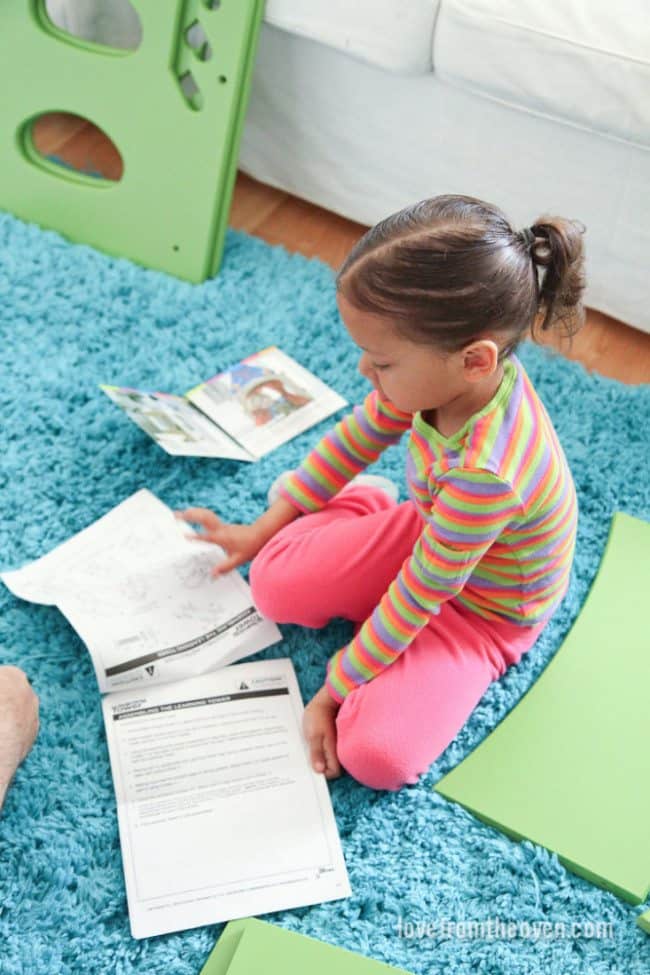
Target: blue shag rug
{"points": [[72, 318]]}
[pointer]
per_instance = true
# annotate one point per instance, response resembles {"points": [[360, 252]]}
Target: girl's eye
{"points": [[379, 368]]}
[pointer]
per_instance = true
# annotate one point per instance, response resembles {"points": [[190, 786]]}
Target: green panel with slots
{"points": [[174, 107]]}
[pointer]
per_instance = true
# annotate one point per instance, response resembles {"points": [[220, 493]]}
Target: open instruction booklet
{"points": [[220, 813], [240, 414]]}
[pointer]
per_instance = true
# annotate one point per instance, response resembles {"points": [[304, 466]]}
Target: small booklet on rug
{"points": [[240, 414], [220, 813]]}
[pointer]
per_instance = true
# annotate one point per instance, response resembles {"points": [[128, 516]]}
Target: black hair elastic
{"points": [[528, 236]]}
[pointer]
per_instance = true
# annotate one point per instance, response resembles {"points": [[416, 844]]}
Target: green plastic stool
{"points": [[174, 108]]}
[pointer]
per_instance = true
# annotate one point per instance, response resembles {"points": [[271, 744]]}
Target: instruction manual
{"points": [[220, 813], [240, 414]]}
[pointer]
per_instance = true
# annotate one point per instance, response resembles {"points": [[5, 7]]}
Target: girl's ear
{"points": [[480, 360]]}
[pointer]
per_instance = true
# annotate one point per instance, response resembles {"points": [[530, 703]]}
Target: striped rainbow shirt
{"points": [[499, 516]]}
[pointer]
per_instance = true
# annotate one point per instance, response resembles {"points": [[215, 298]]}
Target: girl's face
{"points": [[411, 375]]}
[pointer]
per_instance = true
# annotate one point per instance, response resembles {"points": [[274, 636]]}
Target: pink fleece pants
{"points": [[338, 562]]}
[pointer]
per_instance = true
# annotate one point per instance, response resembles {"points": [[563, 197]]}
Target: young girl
{"points": [[451, 587]]}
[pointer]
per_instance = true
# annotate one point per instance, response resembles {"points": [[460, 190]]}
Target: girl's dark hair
{"points": [[450, 269]]}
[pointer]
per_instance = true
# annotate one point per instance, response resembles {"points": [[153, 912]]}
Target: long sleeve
{"points": [[354, 443], [469, 511]]}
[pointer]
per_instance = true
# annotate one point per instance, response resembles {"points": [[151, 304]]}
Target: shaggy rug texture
{"points": [[72, 318]]}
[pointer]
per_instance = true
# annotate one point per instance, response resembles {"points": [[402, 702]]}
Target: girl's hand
{"points": [[241, 543], [319, 726]]}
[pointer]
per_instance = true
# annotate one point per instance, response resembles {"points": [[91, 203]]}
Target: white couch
{"points": [[364, 106]]}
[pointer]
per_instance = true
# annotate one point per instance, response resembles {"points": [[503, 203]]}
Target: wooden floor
{"points": [[604, 345]]}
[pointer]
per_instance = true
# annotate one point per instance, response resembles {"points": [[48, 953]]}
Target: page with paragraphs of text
{"points": [[220, 814]]}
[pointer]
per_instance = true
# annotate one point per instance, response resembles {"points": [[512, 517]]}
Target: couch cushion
{"points": [[392, 34], [587, 63]]}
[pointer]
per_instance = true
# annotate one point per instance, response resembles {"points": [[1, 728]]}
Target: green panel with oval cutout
{"points": [[174, 108]]}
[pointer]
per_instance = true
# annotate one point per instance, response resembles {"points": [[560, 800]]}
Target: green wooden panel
{"points": [[251, 946], [170, 209], [568, 767]]}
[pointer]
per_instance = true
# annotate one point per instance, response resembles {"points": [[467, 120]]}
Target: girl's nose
{"points": [[364, 366]]}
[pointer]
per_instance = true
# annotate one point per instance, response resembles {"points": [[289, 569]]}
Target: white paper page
{"points": [[142, 515], [143, 600], [220, 813], [176, 426], [265, 400]]}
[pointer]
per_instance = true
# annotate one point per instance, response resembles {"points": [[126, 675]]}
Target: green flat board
{"points": [[220, 957], [568, 767], [253, 947], [175, 112]]}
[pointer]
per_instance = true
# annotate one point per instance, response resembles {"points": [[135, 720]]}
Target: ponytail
{"points": [[557, 252]]}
